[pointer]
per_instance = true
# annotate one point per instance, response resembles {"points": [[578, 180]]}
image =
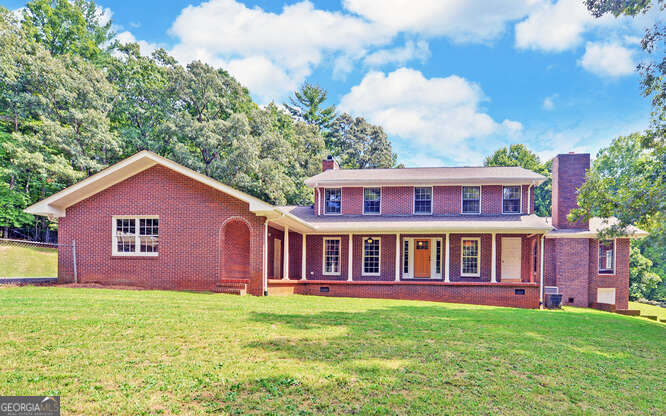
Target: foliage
{"points": [[359, 144], [306, 104], [643, 283], [519, 155], [201, 354], [653, 71]]}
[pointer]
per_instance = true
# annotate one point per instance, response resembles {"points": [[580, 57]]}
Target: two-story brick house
{"points": [[461, 234]]}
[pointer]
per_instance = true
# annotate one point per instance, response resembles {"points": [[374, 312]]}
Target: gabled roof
{"points": [[427, 176], [596, 225], [56, 204]]}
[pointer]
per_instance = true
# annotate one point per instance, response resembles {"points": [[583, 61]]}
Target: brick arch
{"points": [[235, 249]]}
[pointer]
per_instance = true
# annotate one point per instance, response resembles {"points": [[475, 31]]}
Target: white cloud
{"points": [[294, 40], [399, 55], [608, 59], [460, 20], [146, 48], [267, 79], [554, 26], [431, 112], [549, 102]]}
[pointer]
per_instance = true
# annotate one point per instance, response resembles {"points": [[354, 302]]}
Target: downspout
{"points": [[264, 274], [543, 248]]}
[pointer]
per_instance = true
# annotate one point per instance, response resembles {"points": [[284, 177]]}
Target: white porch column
{"points": [[493, 266], [264, 274], [543, 248], [447, 256], [350, 256], [285, 261], [397, 257], [303, 268]]}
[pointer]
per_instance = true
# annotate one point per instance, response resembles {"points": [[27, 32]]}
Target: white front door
{"points": [[277, 257], [511, 258], [606, 295]]}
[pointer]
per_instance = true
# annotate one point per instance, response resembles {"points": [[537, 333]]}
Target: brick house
{"points": [[462, 234]]}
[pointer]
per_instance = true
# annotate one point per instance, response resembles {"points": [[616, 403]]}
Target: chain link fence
{"points": [[25, 261]]}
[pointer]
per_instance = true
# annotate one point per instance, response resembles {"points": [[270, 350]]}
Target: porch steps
{"points": [[232, 286], [653, 317], [629, 312]]}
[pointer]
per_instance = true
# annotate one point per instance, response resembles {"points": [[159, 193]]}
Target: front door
{"points": [[277, 257], [511, 258], [422, 258]]}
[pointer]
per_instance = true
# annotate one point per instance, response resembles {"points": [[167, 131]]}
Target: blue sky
{"points": [[450, 81]]}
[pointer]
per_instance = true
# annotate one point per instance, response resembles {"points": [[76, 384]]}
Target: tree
{"points": [[68, 27], [653, 71], [643, 282], [307, 105], [519, 155], [359, 144]]}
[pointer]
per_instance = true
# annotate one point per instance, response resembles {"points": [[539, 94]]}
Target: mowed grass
{"points": [[26, 261], [649, 309], [152, 352]]}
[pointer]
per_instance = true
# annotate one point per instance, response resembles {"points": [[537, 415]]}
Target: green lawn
{"points": [[649, 309], [26, 261], [151, 352]]}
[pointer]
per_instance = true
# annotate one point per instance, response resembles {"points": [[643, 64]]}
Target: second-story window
{"points": [[471, 199], [332, 201], [511, 200], [372, 200], [423, 200]]}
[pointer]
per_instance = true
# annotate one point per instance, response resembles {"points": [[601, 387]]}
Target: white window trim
{"points": [[478, 256], [432, 200], [380, 200], [323, 257], [363, 273], [137, 239], [462, 201], [325, 205], [521, 200], [614, 258]]}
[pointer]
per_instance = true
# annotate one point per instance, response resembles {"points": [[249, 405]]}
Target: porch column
{"points": [[493, 268], [285, 262], [447, 255], [303, 268], [397, 257], [350, 256], [543, 248]]}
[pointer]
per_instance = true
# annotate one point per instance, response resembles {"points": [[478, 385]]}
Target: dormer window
{"points": [[471, 199], [372, 200], [423, 200], [511, 200], [332, 201]]}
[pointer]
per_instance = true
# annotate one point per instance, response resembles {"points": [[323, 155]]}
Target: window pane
{"points": [[606, 253], [332, 201], [438, 257], [422, 200], [332, 256], [371, 200], [405, 257], [371, 256], [471, 199], [511, 202], [470, 257]]}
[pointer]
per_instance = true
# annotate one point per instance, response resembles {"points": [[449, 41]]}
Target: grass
{"points": [[27, 261], [152, 352], [649, 309]]}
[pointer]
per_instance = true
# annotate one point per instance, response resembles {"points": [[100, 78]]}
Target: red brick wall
{"points": [[620, 280], [572, 263], [295, 250], [314, 257], [192, 246], [274, 234], [397, 200], [352, 201], [481, 294], [486, 258], [387, 247], [447, 199], [549, 263], [568, 176]]}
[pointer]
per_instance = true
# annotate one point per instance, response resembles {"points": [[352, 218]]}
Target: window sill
{"points": [[476, 276], [133, 257]]}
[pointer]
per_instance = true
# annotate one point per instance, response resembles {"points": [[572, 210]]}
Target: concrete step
{"points": [[630, 312], [653, 317], [231, 285], [231, 291]]}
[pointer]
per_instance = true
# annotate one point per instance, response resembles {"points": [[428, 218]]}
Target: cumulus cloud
{"points": [[431, 112], [549, 102], [146, 48], [608, 59], [399, 55]]}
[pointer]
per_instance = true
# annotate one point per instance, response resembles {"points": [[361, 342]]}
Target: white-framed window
{"points": [[423, 200], [438, 257], [135, 235], [371, 256], [405, 256], [511, 199], [471, 199], [332, 201], [607, 257], [372, 200], [470, 257], [331, 261]]}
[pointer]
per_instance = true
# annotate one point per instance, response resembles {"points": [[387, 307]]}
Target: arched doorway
{"points": [[235, 250]]}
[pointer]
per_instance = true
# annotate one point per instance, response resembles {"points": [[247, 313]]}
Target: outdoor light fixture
{"points": [[369, 240]]}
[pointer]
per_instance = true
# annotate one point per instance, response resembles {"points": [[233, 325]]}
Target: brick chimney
{"points": [[329, 163], [568, 176]]}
